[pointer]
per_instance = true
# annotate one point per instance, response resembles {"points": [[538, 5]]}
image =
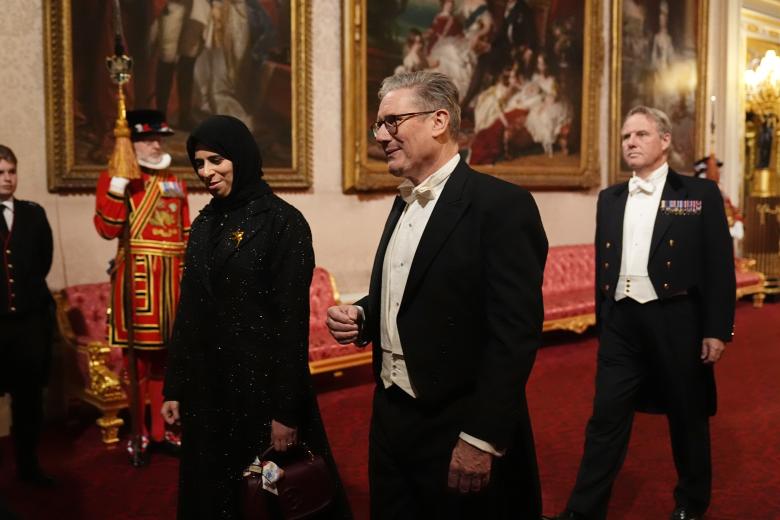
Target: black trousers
{"points": [[410, 447], [657, 342], [24, 352]]}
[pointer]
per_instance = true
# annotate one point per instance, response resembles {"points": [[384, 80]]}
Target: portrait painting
{"points": [[526, 73], [191, 59], [660, 61]]}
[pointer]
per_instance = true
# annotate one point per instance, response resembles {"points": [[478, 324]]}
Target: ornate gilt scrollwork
{"points": [[103, 382], [578, 324], [104, 390]]}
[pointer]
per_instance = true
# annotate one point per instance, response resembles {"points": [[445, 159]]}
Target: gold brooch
{"points": [[238, 236]]}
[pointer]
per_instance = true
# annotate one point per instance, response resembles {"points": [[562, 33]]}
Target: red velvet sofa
{"points": [[568, 300], [95, 369], [569, 294], [92, 367], [568, 288]]}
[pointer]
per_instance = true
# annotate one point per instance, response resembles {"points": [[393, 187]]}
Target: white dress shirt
{"points": [[420, 201], [8, 212], [638, 223]]}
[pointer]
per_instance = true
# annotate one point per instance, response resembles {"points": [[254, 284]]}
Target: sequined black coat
{"points": [[239, 354]]}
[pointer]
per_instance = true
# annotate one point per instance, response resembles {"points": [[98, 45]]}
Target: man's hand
{"points": [[469, 468], [343, 323], [283, 437], [170, 412], [711, 350]]}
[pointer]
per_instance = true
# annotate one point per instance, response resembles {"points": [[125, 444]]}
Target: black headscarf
{"points": [[231, 139]]}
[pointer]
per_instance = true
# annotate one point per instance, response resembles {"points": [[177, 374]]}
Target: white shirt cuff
{"points": [[118, 185], [482, 445]]}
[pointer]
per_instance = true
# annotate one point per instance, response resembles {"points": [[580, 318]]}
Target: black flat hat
{"points": [[147, 122]]}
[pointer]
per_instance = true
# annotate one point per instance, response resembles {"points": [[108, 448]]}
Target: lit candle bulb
{"points": [[712, 100]]}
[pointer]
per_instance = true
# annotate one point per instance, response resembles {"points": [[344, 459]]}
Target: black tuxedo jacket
{"points": [[470, 319], [25, 258], [691, 252]]}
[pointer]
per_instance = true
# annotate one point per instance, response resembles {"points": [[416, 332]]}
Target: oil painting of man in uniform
{"points": [[192, 59]]}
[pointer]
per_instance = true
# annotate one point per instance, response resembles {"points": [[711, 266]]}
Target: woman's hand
{"points": [[282, 437], [170, 412]]}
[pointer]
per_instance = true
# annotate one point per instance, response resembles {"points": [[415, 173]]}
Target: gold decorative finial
{"points": [[122, 162]]}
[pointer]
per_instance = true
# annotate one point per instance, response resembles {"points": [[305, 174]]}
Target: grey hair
{"points": [[659, 116], [434, 91]]}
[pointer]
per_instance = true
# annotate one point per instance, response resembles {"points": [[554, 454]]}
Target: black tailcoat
{"points": [[470, 319], [690, 253], [649, 354]]}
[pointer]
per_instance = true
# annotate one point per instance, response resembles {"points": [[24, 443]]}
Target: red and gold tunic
{"points": [[159, 227]]}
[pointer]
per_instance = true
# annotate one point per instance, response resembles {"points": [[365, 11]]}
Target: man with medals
{"points": [[159, 226]]}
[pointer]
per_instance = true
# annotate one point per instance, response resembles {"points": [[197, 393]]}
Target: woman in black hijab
{"points": [[238, 376]]}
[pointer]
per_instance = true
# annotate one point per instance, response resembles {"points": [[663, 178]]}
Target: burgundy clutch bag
{"points": [[305, 489]]}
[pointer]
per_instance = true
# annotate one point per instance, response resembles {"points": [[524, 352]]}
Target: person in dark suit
{"points": [[26, 317], [517, 30], [514, 32], [238, 374], [454, 312], [665, 296]]}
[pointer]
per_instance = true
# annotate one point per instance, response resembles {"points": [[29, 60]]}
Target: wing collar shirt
{"points": [[420, 201], [644, 198]]}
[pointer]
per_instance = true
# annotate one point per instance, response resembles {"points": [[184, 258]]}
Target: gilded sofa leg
{"points": [[758, 299], [109, 427], [105, 392]]}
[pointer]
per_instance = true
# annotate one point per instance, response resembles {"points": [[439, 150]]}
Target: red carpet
{"points": [[99, 484]]}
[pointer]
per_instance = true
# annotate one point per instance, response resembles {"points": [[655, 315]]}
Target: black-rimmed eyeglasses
{"points": [[393, 121]]}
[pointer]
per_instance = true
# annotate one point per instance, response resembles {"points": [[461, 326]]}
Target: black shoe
{"points": [[682, 513], [36, 477], [138, 457], [567, 515]]}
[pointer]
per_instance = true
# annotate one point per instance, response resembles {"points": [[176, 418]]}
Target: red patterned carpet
{"points": [[99, 484]]}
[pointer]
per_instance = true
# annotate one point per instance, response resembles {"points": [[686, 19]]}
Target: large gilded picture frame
{"points": [[659, 56], [528, 119], [247, 59]]}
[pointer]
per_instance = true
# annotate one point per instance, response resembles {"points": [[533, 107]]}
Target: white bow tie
{"points": [[636, 184], [410, 193]]}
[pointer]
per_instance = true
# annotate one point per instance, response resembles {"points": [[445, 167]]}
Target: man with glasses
{"points": [[454, 312]]}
